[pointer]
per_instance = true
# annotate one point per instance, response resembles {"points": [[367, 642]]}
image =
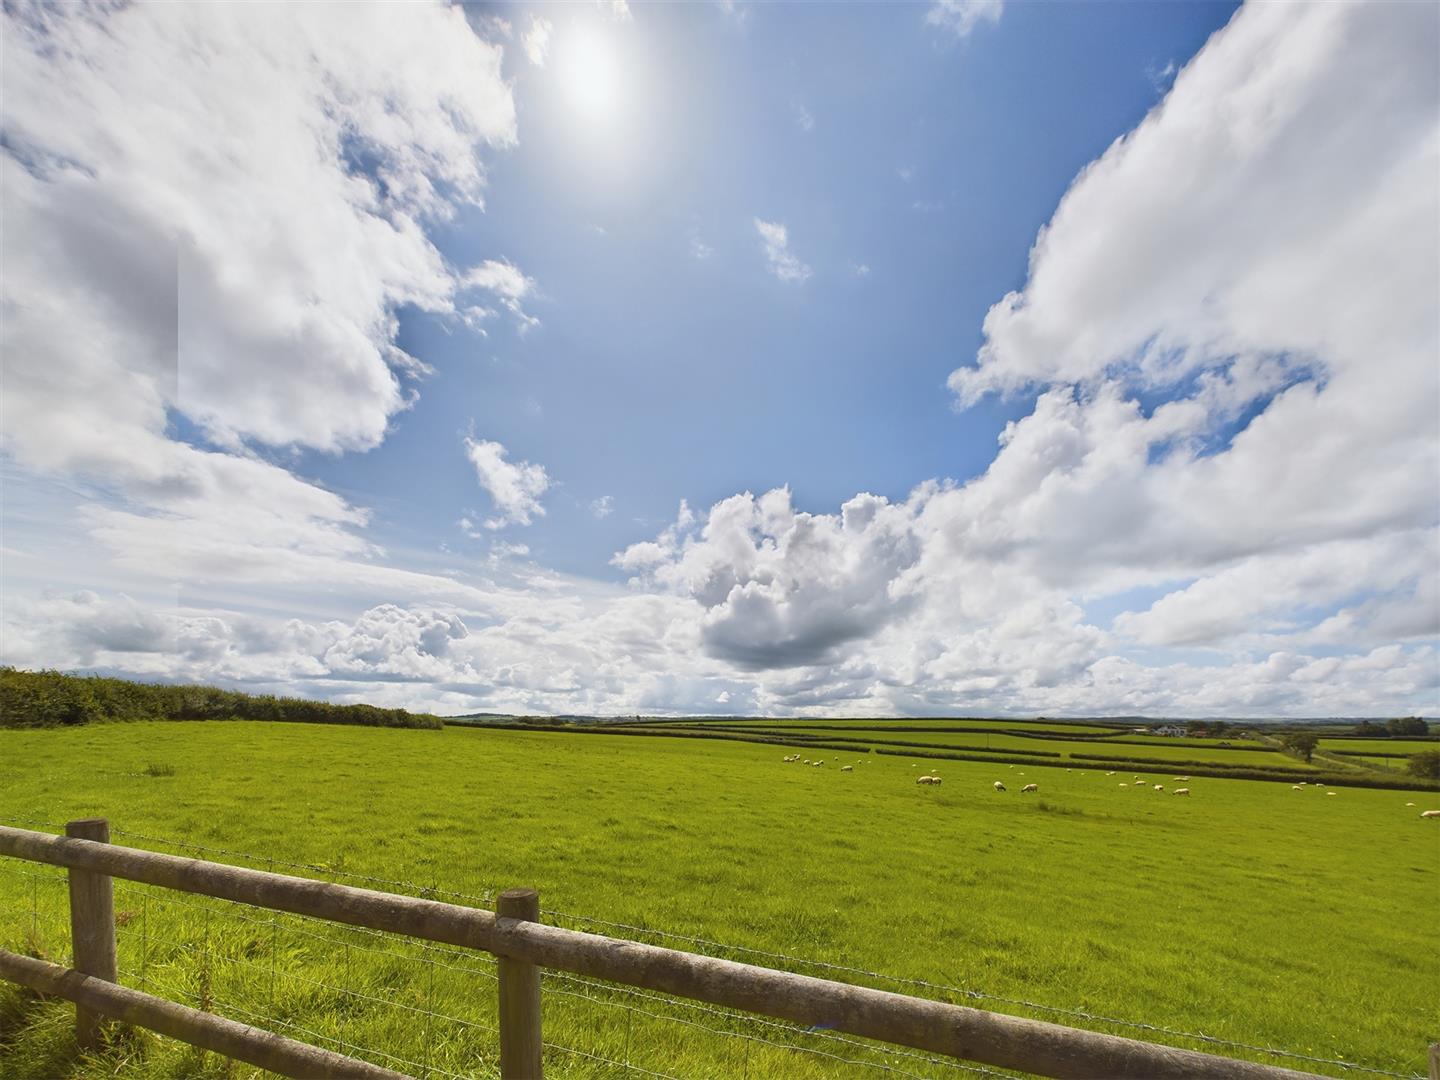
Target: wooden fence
{"points": [[524, 945]]}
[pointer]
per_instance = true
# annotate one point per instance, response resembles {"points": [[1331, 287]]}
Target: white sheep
{"points": [[1109, 774], [1123, 784], [1181, 791], [1429, 813], [999, 786], [1409, 804], [1332, 793], [1159, 787], [1181, 779], [847, 768], [1297, 787], [927, 780], [1029, 787]]}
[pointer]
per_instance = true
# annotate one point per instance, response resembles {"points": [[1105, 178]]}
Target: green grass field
{"points": [[1249, 912], [847, 723], [878, 735], [1380, 746]]}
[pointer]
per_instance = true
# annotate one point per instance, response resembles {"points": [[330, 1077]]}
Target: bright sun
{"points": [[588, 70]]}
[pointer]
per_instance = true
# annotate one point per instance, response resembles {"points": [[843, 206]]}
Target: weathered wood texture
{"points": [[953, 1030], [1435, 1061], [92, 925], [252, 1045], [520, 1043]]}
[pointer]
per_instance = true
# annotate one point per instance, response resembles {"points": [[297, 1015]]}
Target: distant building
{"points": [[1172, 730]]}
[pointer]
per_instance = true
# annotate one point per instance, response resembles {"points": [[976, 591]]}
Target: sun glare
{"points": [[590, 73]]}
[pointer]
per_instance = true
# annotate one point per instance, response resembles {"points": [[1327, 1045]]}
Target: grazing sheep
{"points": [[1332, 793], [999, 786], [1123, 784], [1429, 813], [809, 762], [927, 780], [1159, 787], [1182, 779], [1181, 791], [1297, 787], [1409, 804], [847, 768], [1029, 787]]}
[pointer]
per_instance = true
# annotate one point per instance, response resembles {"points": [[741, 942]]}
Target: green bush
{"points": [[1426, 763], [37, 699]]}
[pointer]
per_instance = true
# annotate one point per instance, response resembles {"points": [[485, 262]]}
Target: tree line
{"points": [[40, 699], [1398, 728]]}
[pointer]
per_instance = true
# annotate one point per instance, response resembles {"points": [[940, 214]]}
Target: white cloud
{"points": [[514, 487], [859, 269], [804, 119], [508, 284], [255, 291], [603, 507], [960, 17], [537, 39], [737, 13], [1268, 257], [698, 248], [618, 10], [249, 283], [783, 263]]}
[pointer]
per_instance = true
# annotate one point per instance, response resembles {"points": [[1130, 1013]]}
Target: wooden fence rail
{"points": [[525, 945]]}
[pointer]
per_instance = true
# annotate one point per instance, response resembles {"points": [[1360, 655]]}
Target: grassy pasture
{"points": [[1164, 749], [1250, 912], [845, 723], [1380, 746]]}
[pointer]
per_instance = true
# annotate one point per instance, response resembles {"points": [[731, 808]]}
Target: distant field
{"points": [[1397, 764], [891, 725], [1161, 749], [1250, 912], [1382, 746]]}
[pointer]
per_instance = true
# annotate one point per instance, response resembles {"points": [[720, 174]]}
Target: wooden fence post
{"points": [[92, 925], [1435, 1061], [519, 996]]}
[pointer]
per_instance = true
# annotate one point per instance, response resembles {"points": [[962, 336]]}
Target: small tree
{"points": [[1301, 743], [1426, 763]]}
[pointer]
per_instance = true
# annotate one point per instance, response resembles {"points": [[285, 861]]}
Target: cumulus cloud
{"points": [[507, 284], [514, 487], [537, 39], [783, 263], [781, 587], [248, 284], [960, 17], [804, 118], [603, 507], [255, 291]]}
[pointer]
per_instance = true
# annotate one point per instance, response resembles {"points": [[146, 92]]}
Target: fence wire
{"points": [[839, 1051]]}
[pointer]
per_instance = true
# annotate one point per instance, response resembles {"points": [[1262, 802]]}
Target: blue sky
{"points": [[932, 161], [979, 357]]}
